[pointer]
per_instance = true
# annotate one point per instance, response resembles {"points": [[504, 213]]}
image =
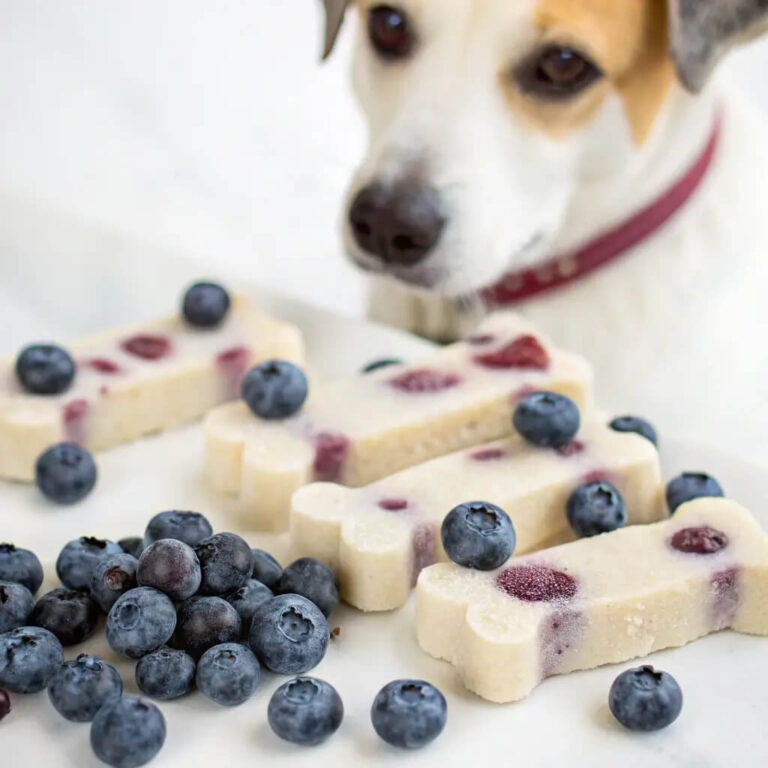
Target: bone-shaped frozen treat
{"points": [[379, 537], [597, 601], [358, 429]]}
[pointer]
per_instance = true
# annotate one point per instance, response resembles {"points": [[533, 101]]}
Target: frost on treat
{"points": [[597, 601], [361, 428], [378, 537], [121, 384]]}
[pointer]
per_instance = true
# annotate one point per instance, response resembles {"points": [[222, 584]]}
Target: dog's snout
{"points": [[400, 224]]}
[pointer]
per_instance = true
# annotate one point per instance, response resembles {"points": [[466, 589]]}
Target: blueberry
{"points": [[226, 563], [45, 369], [16, 604], [140, 621], [376, 365], [65, 473], [247, 599], [595, 508], [204, 622], [689, 486], [305, 711], [547, 419], [81, 687], [289, 634], [170, 566], [21, 566], [165, 674], [71, 615], [643, 699], [635, 424], [132, 545], [79, 558], [29, 656], [189, 527], [205, 305], [114, 575], [409, 713], [228, 674], [275, 389], [5, 703], [127, 732], [266, 569], [478, 535], [311, 579]]}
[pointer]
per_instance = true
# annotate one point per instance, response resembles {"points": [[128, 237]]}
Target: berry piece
{"points": [[289, 634], [247, 599], [114, 575], [409, 713], [132, 545], [165, 674], [21, 566], [140, 621], [45, 369], [189, 527], [643, 699], [524, 352], [81, 687], [635, 424], [16, 604], [266, 569], [536, 584], [79, 558], [127, 732], [205, 305], [311, 579], [547, 419], [595, 508], [425, 380], [689, 486], [275, 389], [65, 473], [228, 674], [71, 615], [699, 540], [29, 656], [226, 563], [147, 346], [478, 535], [170, 566], [305, 711], [5, 703], [204, 622], [377, 365]]}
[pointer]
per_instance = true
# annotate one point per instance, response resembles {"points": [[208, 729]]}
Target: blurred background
{"points": [[205, 130]]}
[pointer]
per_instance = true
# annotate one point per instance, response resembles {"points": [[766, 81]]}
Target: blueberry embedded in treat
{"points": [[266, 569], [699, 540], [425, 381], [547, 419], [330, 455], [16, 605], [226, 563], [228, 674], [101, 365], [78, 559], [478, 535], [172, 567], [524, 352], [29, 656], [393, 505], [637, 425], [595, 508], [113, 576], [275, 389], [5, 703], [20, 566], [377, 365], [189, 527], [409, 713], [205, 304], [691, 485], [45, 369], [66, 473], [305, 711], [69, 614], [204, 622], [311, 579], [644, 699], [165, 674], [147, 346], [488, 454], [140, 621], [80, 688], [536, 583]]}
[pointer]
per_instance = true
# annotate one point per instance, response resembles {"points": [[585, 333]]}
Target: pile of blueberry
{"points": [[194, 609]]}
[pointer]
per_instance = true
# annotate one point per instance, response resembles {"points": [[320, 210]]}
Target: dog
{"points": [[581, 162]]}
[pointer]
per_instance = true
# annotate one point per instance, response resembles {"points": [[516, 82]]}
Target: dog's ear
{"points": [[702, 31], [334, 16]]}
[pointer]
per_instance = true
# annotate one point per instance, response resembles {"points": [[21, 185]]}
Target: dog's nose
{"points": [[399, 224]]}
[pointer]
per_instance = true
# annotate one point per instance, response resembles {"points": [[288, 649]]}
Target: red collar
{"points": [[555, 273]]}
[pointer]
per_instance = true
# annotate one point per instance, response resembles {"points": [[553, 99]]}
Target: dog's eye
{"points": [[389, 32], [556, 73]]}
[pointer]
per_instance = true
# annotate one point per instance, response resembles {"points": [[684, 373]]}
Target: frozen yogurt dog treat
{"points": [[597, 601], [358, 429], [380, 536], [128, 382]]}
